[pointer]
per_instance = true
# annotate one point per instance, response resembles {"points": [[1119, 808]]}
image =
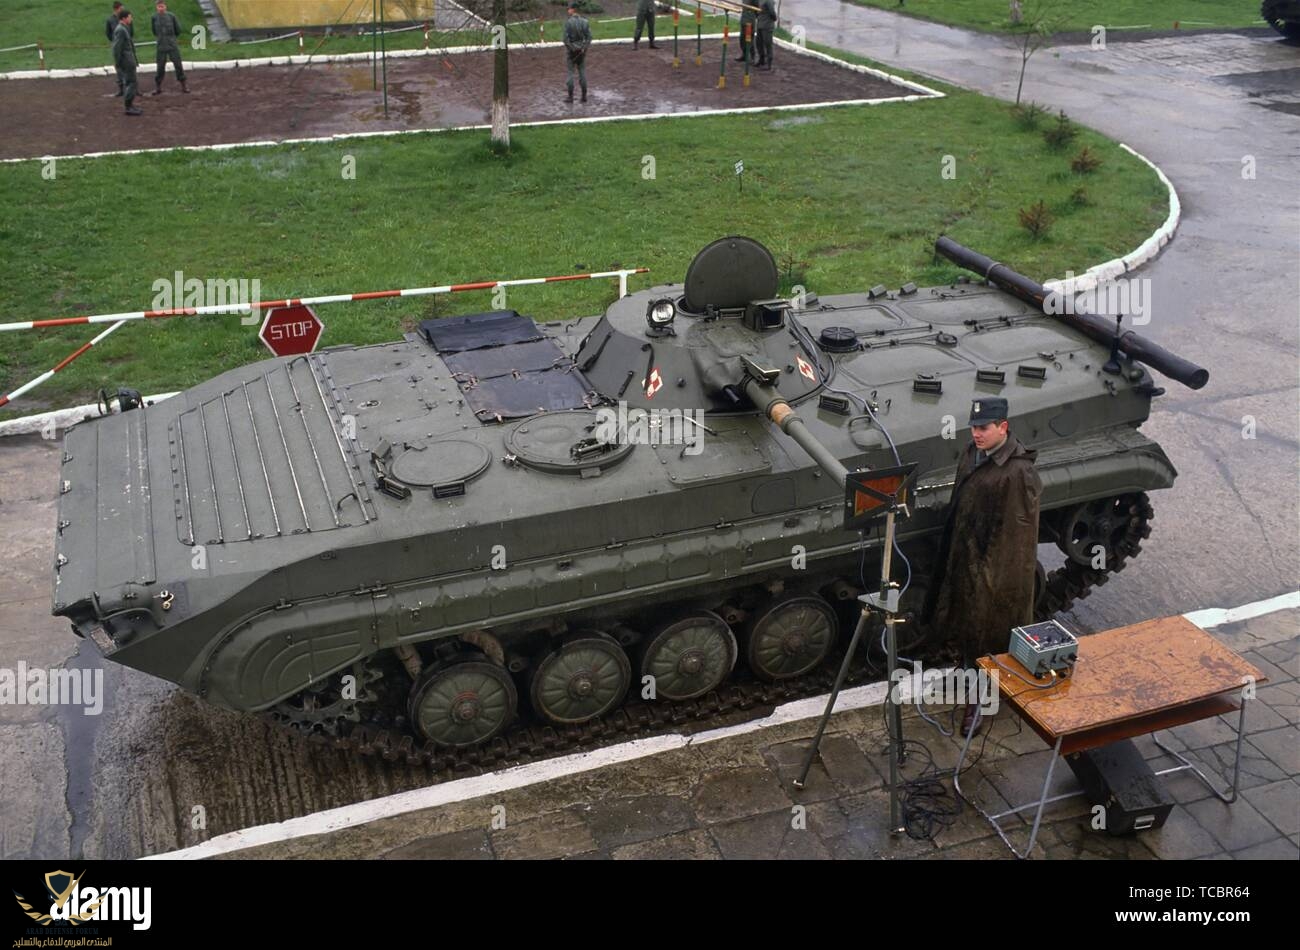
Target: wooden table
{"points": [[1127, 682]]}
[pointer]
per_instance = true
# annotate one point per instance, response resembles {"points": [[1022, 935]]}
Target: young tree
{"points": [[1043, 19]]}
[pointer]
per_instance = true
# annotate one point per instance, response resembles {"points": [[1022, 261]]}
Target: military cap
{"points": [[983, 411]]}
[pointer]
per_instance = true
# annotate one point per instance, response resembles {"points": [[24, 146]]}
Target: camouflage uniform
{"points": [[577, 38], [125, 60], [167, 28], [766, 26], [645, 17]]}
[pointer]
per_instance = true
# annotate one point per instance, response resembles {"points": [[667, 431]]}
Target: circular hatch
{"points": [[566, 443], [440, 463]]}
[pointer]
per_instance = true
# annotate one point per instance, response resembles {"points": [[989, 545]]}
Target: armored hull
{"points": [[524, 519]]}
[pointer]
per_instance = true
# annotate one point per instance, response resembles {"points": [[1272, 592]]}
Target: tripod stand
{"points": [[868, 495]]}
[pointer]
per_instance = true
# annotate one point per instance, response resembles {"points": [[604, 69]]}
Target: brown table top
{"points": [[1130, 681]]}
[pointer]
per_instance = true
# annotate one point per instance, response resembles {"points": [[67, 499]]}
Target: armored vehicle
{"points": [[1283, 16], [497, 520]]}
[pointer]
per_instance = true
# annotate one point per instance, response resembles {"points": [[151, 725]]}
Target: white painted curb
{"points": [[535, 773], [1117, 267], [49, 422], [521, 776]]}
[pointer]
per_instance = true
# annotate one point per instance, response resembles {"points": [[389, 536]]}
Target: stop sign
{"points": [[291, 331]]}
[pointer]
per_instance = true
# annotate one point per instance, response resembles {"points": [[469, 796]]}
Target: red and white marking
{"points": [[653, 384], [805, 367], [291, 331], [312, 301]]}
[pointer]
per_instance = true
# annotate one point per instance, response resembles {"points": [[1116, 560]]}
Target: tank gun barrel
{"points": [[760, 387], [1096, 327]]}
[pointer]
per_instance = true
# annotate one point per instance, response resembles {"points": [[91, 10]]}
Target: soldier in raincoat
{"points": [[985, 575]]}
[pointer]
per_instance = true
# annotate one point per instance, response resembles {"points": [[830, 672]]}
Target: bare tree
{"points": [[1042, 21]]}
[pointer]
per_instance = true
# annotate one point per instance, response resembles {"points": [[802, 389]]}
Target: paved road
{"points": [[1225, 293]]}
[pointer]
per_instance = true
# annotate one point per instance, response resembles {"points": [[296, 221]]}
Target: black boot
{"points": [[132, 110], [652, 45], [584, 95], [569, 97], [184, 88], [157, 89]]}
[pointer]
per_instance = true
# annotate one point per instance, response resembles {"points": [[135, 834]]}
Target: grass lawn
{"points": [[72, 32], [1082, 15], [846, 198]]}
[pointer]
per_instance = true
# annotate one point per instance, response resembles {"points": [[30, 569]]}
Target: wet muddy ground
{"points": [[74, 116]]}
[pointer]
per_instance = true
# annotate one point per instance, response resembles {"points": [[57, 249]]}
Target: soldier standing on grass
{"points": [[645, 16], [167, 28], [125, 60], [110, 27], [577, 39], [766, 25]]}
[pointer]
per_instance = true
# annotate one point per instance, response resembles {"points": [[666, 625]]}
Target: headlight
{"points": [[660, 313]]}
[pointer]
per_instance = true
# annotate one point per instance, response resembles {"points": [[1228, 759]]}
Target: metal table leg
{"points": [[1230, 795], [1039, 805]]}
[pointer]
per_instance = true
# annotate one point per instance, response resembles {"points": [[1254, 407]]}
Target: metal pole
{"points": [[374, 46], [383, 47], [722, 70], [746, 44], [676, 21], [894, 714], [699, 42]]}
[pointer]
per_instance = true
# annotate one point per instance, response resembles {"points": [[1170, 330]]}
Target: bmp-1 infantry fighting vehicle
{"points": [[1283, 16], [496, 520]]}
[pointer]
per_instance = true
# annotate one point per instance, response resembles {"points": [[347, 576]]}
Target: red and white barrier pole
{"points": [[426, 36], [313, 301], [300, 41], [40, 51], [64, 362]]}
